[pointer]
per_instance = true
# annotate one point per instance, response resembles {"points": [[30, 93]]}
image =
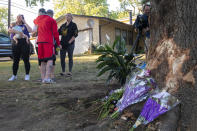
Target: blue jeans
{"points": [[69, 49]]}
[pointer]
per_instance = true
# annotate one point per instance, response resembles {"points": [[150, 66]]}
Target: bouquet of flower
{"points": [[155, 106], [137, 89], [109, 102]]}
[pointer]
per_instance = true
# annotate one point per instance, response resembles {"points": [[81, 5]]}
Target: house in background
{"points": [[98, 30], [127, 20]]}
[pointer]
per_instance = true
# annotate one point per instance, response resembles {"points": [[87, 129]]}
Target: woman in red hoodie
{"points": [[47, 30]]}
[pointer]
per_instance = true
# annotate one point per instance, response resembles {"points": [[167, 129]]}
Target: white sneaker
{"points": [[48, 81], [27, 77], [12, 78]]}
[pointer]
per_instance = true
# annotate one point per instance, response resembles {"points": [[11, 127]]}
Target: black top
{"points": [[142, 22], [67, 33]]}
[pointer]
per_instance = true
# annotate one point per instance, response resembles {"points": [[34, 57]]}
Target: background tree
{"points": [[35, 2], [127, 4], [3, 19], [81, 7], [91, 7], [118, 14], [172, 57]]}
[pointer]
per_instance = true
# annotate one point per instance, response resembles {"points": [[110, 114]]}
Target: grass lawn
{"points": [[83, 69]]}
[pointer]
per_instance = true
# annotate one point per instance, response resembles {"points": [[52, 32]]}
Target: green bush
{"points": [[115, 60]]}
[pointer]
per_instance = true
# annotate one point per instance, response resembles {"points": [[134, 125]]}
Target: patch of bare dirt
{"points": [[68, 105], [60, 107]]}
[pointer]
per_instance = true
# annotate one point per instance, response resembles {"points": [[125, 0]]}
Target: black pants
{"points": [[70, 50], [20, 50]]}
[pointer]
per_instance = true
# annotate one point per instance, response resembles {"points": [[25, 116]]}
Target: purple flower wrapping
{"points": [[136, 90], [156, 105], [152, 110], [131, 94]]}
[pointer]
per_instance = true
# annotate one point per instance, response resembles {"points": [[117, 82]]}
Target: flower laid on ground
{"points": [[137, 90], [155, 106], [109, 103]]}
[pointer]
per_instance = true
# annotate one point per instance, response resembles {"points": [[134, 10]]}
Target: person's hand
{"points": [[60, 46], [10, 30], [23, 20], [34, 34], [70, 41], [146, 29]]}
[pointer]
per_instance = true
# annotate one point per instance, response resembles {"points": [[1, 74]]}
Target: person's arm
{"points": [[136, 24], [27, 26], [60, 30], [75, 33], [35, 31], [71, 40], [55, 32], [27, 38], [15, 32]]}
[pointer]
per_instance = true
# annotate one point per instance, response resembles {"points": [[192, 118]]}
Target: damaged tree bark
{"points": [[172, 56]]}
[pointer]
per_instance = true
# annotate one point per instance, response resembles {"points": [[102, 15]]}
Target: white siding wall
{"points": [[82, 42]]}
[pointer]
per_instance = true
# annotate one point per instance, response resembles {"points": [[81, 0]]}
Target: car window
{"points": [[4, 38]]}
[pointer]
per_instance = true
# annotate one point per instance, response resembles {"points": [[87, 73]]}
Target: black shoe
{"points": [[53, 79], [69, 74], [62, 74]]}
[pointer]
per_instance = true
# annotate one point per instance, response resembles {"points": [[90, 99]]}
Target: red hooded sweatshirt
{"points": [[47, 29]]}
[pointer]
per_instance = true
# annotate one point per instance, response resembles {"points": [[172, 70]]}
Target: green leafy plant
{"points": [[115, 61]]}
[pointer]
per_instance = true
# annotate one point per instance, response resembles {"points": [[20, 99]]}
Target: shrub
{"points": [[116, 61]]}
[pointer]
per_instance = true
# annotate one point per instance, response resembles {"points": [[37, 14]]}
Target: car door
{"points": [[5, 46]]}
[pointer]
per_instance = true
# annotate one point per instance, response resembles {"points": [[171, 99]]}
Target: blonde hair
{"points": [[70, 15]]}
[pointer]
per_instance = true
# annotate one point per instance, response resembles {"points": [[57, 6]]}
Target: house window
{"points": [[130, 37], [124, 35], [117, 33]]}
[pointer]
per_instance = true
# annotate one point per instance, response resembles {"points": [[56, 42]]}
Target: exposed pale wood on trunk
{"points": [[172, 56]]}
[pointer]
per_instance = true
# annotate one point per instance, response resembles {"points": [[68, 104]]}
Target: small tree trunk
{"points": [[172, 56]]}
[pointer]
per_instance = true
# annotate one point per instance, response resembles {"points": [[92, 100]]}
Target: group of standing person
{"points": [[47, 40]]}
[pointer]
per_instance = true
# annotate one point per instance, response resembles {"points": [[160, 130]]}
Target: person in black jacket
{"points": [[142, 27], [69, 32]]}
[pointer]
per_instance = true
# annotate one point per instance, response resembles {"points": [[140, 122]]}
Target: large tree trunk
{"points": [[172, 56]]}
